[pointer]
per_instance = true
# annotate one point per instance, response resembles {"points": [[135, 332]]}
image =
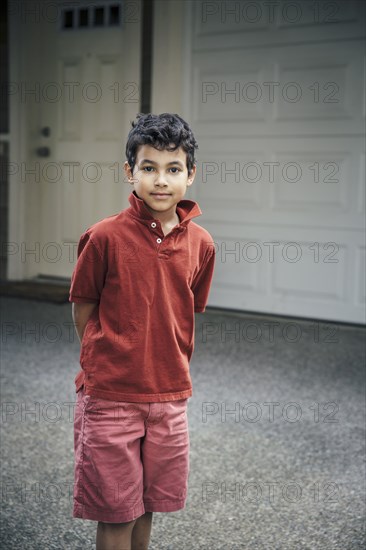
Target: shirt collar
{"points": [[186, 209]]}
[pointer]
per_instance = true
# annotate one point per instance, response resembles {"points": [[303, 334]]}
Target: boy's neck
{"points": [[167, 218]]}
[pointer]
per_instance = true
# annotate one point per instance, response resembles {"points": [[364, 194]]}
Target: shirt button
{"points": [[158, 241], [153, 224]]}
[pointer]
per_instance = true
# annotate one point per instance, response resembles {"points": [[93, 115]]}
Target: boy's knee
{"points": [[114, 527]]}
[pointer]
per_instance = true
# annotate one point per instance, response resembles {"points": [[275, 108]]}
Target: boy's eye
{"points": [[149, 169]]}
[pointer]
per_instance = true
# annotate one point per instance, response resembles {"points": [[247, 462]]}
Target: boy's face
{"points": [[160, 178]]}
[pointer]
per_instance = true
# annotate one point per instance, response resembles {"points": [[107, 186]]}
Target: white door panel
{"points": [[313, 181], [298, 90], [279, 271], [278, 110], [219, 25]]}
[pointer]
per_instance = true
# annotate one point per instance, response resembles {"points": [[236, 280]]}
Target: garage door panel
{"points": [[305, 269], [266, 273], [311, 183], [247, 198], [298, 90], [247, 24], [221, 175], [218, 95], [295, 14], [297, 267], [360, 195], [293, 182], [314, 88], [360, 280], [233, 268]]}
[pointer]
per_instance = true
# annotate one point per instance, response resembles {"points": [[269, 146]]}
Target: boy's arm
{"points": [[87, 282], [202, 283], [81, 312]]}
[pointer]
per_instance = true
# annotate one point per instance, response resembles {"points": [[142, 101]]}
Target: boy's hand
{"points": [[81, 313]]}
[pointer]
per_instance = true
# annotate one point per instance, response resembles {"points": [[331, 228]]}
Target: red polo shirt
{"points": [[138, 343]]}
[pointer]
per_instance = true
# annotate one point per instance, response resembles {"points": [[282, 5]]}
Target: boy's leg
{"points": [[165, 457], [141, 532], [114, 536], [134, 535]]}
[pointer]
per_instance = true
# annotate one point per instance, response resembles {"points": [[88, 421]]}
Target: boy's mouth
{"points": [[160, 195]]}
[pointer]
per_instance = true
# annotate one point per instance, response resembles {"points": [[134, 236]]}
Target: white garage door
{"points": [[275, 94]]}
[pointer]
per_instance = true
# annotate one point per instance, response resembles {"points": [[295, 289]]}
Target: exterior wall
{"points": [[168, 56]]}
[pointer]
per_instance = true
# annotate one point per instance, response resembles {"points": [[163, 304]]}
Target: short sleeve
{"points": [[202, 282], [89, 274]]}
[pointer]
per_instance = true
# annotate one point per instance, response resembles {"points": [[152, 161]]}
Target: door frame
{"points": [[17, 150]]}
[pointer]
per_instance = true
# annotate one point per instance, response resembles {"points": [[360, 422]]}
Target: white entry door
{"points": [[80, 68], [275, 94]]}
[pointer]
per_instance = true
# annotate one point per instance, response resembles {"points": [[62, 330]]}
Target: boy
{"points": [[140, 276]]}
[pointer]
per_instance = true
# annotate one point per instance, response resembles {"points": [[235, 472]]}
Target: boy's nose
{"points": [[161, 180]]}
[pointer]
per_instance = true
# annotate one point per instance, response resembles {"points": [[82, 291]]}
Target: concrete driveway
{"points": [[277, 430]]}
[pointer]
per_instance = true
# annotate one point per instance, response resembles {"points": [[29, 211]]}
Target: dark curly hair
{"points": [[160, 131]]}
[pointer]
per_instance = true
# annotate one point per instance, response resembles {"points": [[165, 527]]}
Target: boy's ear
{"points": [[128, 172], [192, 175]]}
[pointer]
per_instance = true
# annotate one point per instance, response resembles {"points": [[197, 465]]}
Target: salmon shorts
{"points": [[130, 458]]}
